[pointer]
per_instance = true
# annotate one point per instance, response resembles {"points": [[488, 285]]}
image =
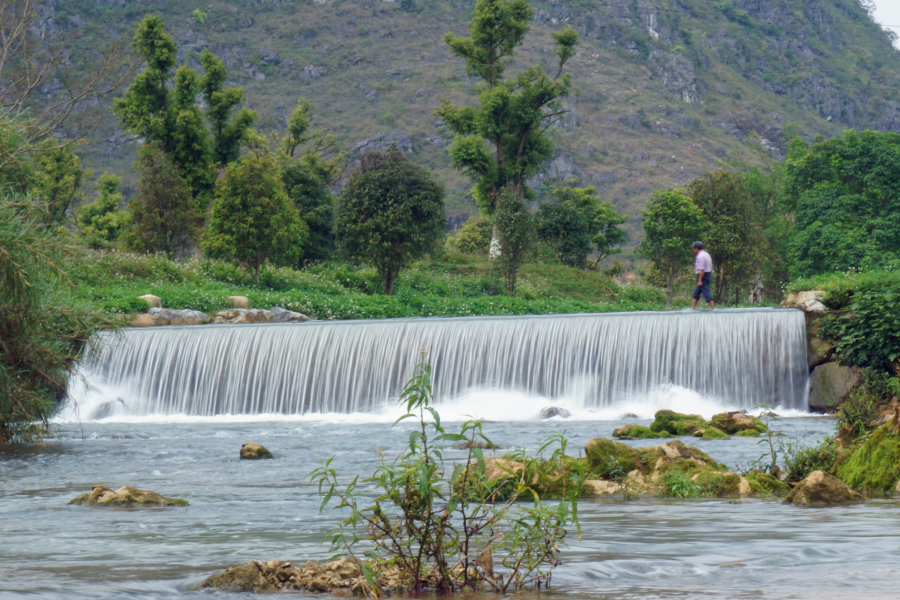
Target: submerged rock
{"points": [[737, 421], [820, 489], [638, 432], [344, 574], [253, 451], [554, 411], [600, 487], [125, 496]]}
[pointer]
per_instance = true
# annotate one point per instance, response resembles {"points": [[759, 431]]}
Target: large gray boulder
{"points": [[244, 315], [831, 384], [156, 317], [283, 315]]}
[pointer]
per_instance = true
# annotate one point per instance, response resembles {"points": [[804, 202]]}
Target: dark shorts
{"points": [[704, 289]]}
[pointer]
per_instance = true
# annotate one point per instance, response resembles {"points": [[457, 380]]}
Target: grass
{"points": [[449, 285]]}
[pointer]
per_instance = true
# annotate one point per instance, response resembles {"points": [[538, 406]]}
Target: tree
{"points": [[42, 331], [847, 197], [575, 224], [57, 179], [474, 237], [671, 223], [733, 234], [101, 222], [502, 141], [161, 106], [252, 220], [391, 212], [516, 233], [163, 213]]}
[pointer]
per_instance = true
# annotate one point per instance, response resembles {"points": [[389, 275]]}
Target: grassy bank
{"points": [[451, 285]]}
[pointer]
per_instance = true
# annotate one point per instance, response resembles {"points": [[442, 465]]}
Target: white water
{"points": [[599, 366]]}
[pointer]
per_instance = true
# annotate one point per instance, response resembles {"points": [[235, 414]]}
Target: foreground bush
{"points": [[441, 524], [42, 328]]}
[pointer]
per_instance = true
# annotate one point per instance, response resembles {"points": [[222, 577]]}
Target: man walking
{"points": [[703, 268]]}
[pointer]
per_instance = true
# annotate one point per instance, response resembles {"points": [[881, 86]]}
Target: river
{"points": [[244, 510]]}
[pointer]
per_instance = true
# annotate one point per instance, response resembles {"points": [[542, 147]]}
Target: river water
{"points": [[244, 510]]}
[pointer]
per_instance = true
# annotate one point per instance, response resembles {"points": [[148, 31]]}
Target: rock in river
{"points": [[253, 451], [820, 489], [555, 411], [125, 496]]}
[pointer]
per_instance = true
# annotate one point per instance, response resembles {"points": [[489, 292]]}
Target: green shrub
{"points": [[800, 460], [676, 484], [875, 464]]}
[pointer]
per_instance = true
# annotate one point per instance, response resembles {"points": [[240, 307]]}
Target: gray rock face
{"points": [[244, 315], [830, 384], [283, 315], [167, 316], [383, 141], [678, 75], [313, 72]]}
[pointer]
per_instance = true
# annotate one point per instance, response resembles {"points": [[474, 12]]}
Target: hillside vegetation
{"points": [[665, 90]]}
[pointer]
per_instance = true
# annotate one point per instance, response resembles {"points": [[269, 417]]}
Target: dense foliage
{"points": [[847, 196], [516, 234], [391, 212], [576, 224], [672, 222], [42, 328], [252, 220]]}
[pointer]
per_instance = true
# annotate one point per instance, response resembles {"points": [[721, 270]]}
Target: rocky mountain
{"points": [[666, 89]]}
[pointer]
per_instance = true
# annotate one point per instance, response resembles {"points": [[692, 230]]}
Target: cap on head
{"points": [[697, 245]]}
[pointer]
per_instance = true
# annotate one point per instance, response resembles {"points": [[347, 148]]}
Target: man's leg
{"points": [[707, 292], [696, 297]]}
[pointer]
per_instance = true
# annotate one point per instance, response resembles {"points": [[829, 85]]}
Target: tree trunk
{"points": [[494, 250], [670, 283], [387, 281], [256, 274]]}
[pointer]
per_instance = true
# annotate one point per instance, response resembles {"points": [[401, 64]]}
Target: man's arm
{"points": [[700, 275]]}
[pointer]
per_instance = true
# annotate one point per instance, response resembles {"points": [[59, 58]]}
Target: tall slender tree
{"points": [[502, 141]]}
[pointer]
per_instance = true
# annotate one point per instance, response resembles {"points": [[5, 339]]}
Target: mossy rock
{"points": [[874, 466], [125, 497], [641, 432], [714, 433], [748, 433], [733, 423], [671, 422], [718, 485], [766, 483], [253, 451], [602, 454]]}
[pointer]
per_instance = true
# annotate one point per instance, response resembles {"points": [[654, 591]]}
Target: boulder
{"points": [[809, 301], [766, 483], [600, 487], [153, 301], [637, 432], [726, 484], [606, 456], [818, 351], [125, 496], [820, 489], [244, 315], [831, 384], [239, 301], [714, 433], [736, 421], [676, 455], [167, 316], [554, 411], [671, 422], [343, 575], [282, 315], [253, 451]]}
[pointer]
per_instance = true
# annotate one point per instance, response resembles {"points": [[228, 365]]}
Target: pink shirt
{"points": [[703, 262]]}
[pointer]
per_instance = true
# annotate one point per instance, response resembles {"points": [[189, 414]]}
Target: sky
{"points": [[887, 12]]}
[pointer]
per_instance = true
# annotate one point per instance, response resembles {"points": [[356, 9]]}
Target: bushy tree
{"points": [[161, 106], [502, 141], [847, 197], [474, 237], [101, 222], [391, 212], [575, 224], [42, 330], [252, 220], [163, 214], [58, 178], [671, 223], [733, 233], [516, 232]]}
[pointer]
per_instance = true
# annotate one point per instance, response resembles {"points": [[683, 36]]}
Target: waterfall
{"points": [[741, 357]]}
